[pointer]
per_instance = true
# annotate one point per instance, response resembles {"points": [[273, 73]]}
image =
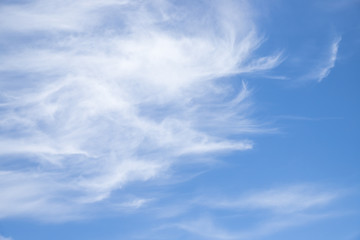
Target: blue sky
{"points": [[186, 119]]}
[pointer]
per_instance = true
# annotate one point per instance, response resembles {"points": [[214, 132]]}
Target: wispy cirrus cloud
{"points": [[37, 16], [316, 61], [208, 228], [99, 94], [286, 200], [277, 209], [325, 70], [5, 238]]}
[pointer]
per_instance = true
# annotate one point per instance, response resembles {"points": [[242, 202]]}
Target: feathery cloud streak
{"points": [[325, 71], [288, 200], [98, 94], [277, 209], [4, 238]]}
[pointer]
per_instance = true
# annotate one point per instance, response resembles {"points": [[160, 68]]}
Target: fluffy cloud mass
{"points": [[104, 93]]}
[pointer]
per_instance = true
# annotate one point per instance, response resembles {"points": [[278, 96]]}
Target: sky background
{"points": [[185, 119]]}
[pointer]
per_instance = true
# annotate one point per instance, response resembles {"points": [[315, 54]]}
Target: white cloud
{"points": [[113, 92], [5, 238], [208, 228], [286, 200], [36, 195], [261, 213], [325, 70], [134, 203], [55, 15]]}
